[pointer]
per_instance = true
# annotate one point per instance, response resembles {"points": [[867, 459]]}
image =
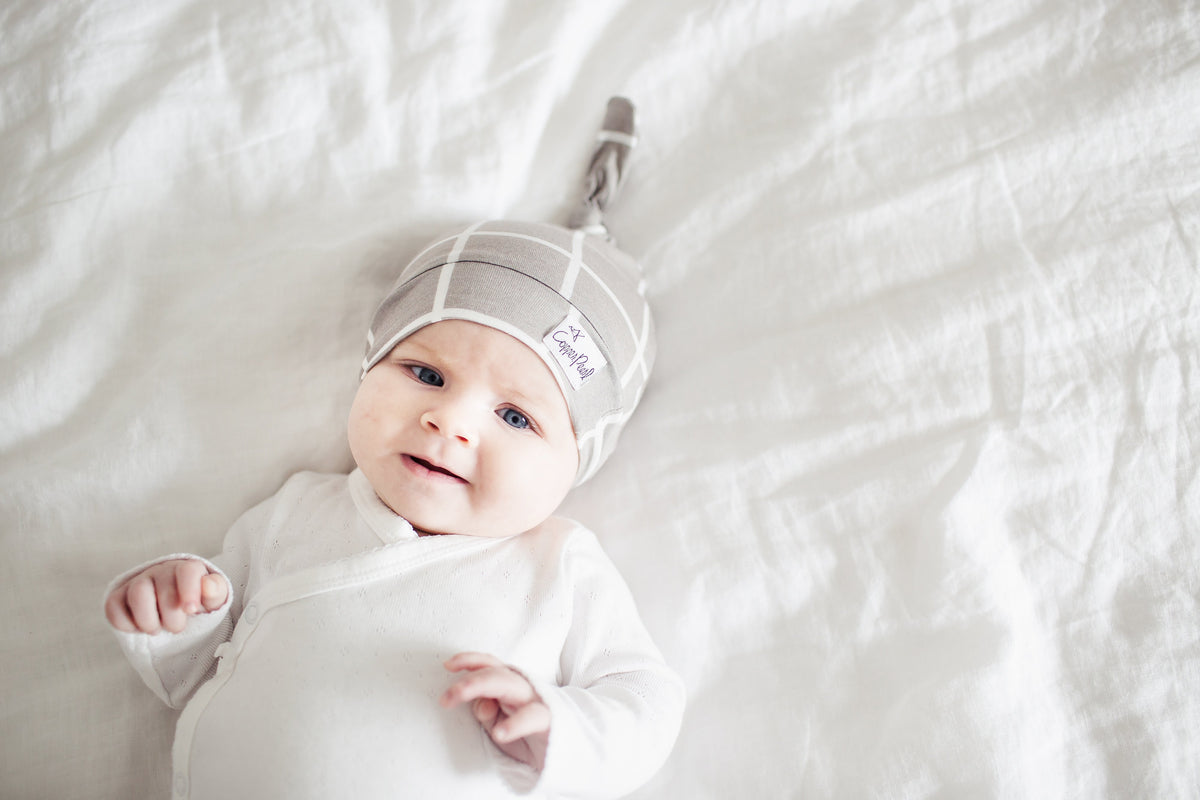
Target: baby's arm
{"points": [[504, 703], [172, 615], [608, 721], [171, 645], [164, 595], [617, 706]]}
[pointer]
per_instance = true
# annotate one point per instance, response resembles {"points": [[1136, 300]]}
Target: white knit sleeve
{"points": [[174, 665], [617, 712]]}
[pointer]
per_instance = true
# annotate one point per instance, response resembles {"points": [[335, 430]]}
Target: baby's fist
{"points": [[164, 595]]}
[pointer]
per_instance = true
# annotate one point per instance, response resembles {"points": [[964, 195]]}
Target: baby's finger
{"points": [[117, 612], [471, 661], [170, 612], [486, 712], [188, 575], [529, 720], [499, 683], [143, 604], [214, 591]]}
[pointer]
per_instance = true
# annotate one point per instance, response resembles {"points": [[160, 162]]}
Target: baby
{"points": [[329, 650]]}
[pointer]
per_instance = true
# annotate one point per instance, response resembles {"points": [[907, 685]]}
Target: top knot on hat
{"points": [[567, 292]]}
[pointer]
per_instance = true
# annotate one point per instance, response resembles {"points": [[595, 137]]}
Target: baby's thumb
{"points": [[213, 591]]}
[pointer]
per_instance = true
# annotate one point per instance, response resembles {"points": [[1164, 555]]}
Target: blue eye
{"points": [[426, 375], [514, 418]]}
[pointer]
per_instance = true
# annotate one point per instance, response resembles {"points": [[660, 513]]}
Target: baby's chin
{"points": [[429, 522]]}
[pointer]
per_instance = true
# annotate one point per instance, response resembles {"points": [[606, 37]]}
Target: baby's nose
{"points": [[450, 421]]}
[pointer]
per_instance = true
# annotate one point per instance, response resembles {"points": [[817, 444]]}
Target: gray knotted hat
{"points": [[567, 293]]}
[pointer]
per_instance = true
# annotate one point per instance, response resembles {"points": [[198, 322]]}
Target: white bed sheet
{"points": [[912, 502]]}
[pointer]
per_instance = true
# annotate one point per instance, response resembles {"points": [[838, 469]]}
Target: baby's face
{"points": [[462, 429]]}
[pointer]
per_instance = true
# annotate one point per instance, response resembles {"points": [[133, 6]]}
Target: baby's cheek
{"points": [[546, 485]]}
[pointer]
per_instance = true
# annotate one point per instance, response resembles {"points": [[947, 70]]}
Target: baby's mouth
{"points": [[429, 465]]}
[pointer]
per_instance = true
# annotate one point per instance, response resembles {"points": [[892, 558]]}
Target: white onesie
{"points": [[320, 677]]}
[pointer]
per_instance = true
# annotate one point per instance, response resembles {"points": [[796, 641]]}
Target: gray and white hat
{"points": [[568, 293]]}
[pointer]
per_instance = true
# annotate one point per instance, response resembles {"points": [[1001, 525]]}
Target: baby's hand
{"points": [[504, 703], [164, 596]]}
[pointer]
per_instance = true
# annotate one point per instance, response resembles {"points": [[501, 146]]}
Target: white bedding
{"points": [[912, 501]]}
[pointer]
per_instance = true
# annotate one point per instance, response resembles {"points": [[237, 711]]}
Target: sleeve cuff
{"points": [[144, 650]]}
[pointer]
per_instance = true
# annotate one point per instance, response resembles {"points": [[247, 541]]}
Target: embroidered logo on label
{"points": [[575, 351]]}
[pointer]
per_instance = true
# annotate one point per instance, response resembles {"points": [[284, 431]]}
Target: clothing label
{"points": [[575, 351]]}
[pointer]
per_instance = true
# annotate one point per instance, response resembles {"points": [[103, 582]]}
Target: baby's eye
{"points": [[514, 418], [426, 375]]}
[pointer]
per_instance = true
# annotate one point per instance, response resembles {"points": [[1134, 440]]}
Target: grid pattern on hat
{"points": [[524, 279], [552, 272]]}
